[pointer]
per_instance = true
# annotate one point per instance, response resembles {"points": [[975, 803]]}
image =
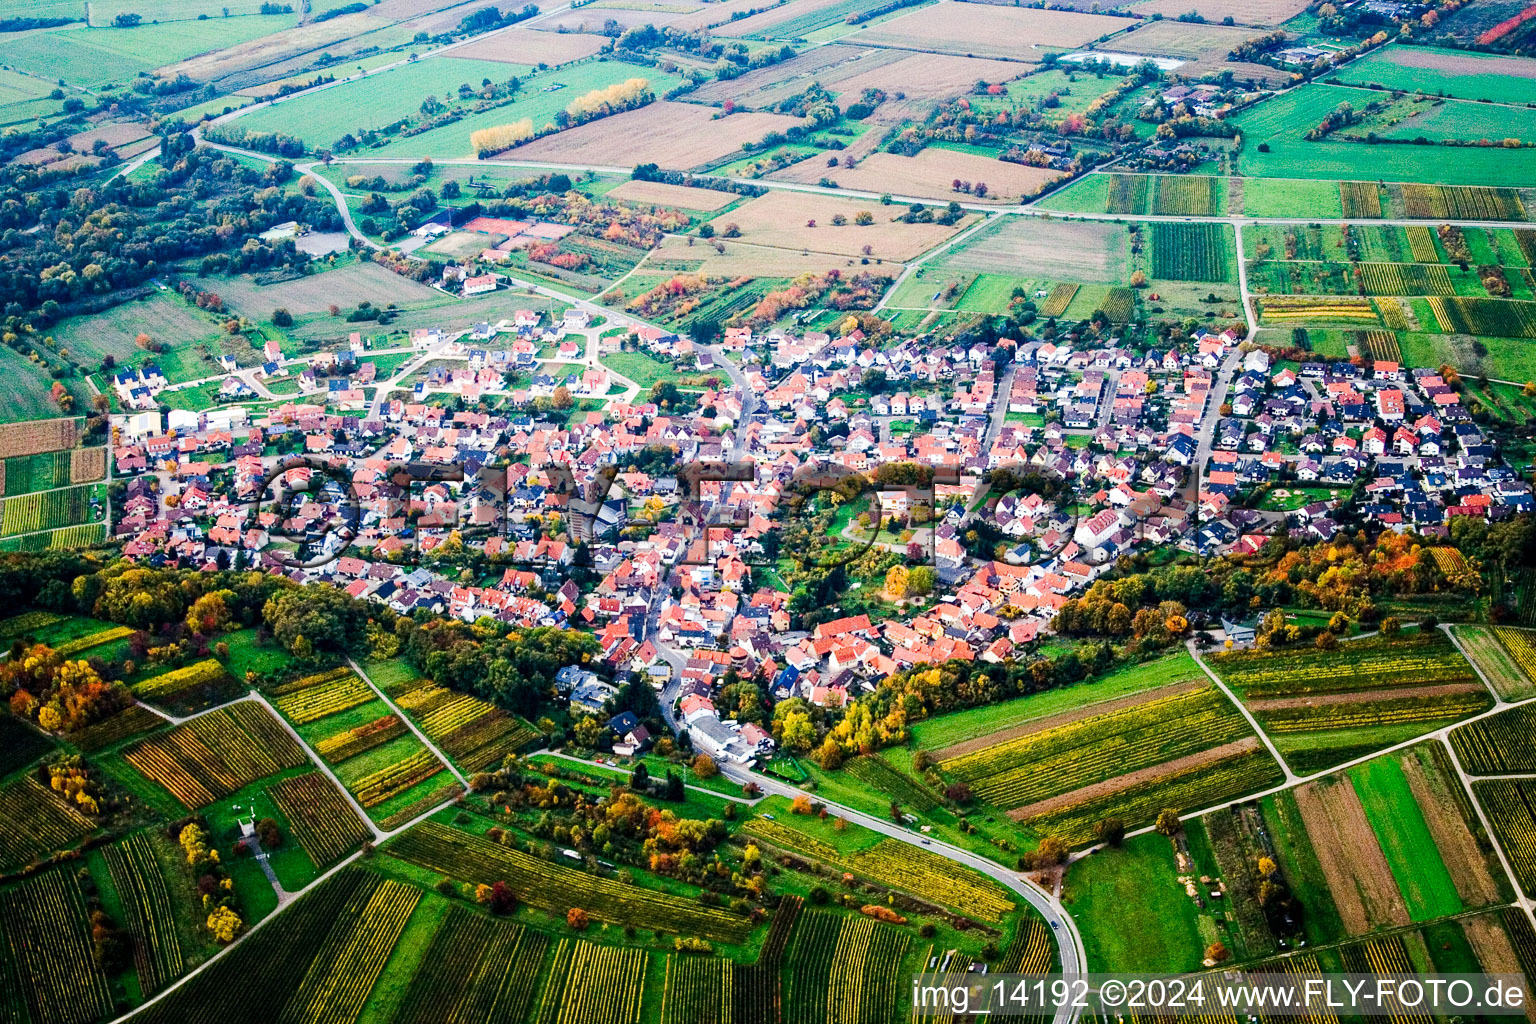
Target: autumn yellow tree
{"points": [[896, 582]]}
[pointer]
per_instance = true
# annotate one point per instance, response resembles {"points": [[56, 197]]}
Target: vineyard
{"points": [[131, 721], [251, 984], [49, 944], [216, 754], [590, 984], [140, 884], [1299, 309], [42, 472], [341, 976], [1372, 711], [757, 991], [1127, 193], [376, 787], [697, 990], [1505, 655], [1360, 199], [44, 510], [85, 643], [556, 889], [1060, 298], [1191, 252], [36, 436], [33, 821], [1381, 345], [1502, 744], [1359, 665], [322, 821], [473, 732], [1188, 195], [188, 688], [786, 837], [351, 742], [841, 970], [1119, 305], [476, 969], [1499, 318], [318, 696], [1461, 202], [1404, 279], [931, 877], [442, 794], [874, 770], [1191, 787], [1031, 951], [1421, 243], [1101, 747], [1509, 805]]}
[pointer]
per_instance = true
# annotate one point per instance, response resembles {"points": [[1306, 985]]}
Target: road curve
{"points": [[1069, 942]]}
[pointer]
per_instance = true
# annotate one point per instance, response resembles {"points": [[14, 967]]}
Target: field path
{"points": [[1291, 778], [426, 741], [325, 769]]}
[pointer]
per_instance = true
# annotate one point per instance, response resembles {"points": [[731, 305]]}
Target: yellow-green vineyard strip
{"points": [[358, 739], [473, 732], [697, 990], [557, 888], [169, 684], [1510, 808], [323, 822], [376, 787], [215, 754], [339, 980], [34, 821], [140, 883], [322, 698], [591, 984], [477, 969], [1359, 665]]}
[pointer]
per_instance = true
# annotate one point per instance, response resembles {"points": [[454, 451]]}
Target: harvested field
{"points": [[1083, 251], [849, 70], [739, 260], [953, 751], [681, 196], [1358, 876], [527, 46], [1458, 849], [674, 135], [763, 24], [1098, 791], [781, 219], [715, 13], [1491, 944], [983, 30], [929, 175], [1169, 38], [352, 284], [1244, 12], [1362, 697], [274, 48]]}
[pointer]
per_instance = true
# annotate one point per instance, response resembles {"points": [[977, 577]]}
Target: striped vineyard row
{"points": [[34, 821], [476, 969], [556, 888], [140, 883], [1189, 788], [376, 787], [1364, 714], [591, 984], [757, 991], [322, 821], [313, 703], [360, 739], [338, 981], [48, 943], [697, 990], [1509, 805], [215, 754]]}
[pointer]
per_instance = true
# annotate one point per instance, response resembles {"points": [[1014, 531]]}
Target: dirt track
{"points": [[1358, 876]]}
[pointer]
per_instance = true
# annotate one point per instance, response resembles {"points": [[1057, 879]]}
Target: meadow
{"points": [[1459, 73], [91, 57], [1282, 121], [323, 116]]}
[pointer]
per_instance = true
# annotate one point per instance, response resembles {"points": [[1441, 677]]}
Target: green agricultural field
{"points": [[533, 102], [1282, 121], [1460, 119], [1088, 194], [1132, 910], [1459, 73], [24, 389], [1405, 839], [1282, 197], [991, 293], [1500, 358], [164, 316], [91, 57], [320, 118]]}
